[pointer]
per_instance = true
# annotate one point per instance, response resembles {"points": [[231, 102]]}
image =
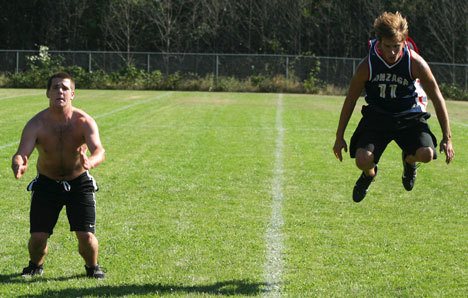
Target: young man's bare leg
{"points": [[423, 154], [408, 178], [88, 248], [37, 247], [365, 162]]}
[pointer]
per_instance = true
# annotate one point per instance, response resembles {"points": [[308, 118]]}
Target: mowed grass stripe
{"points": [[200, 182], [9, 145], [126, 107], [78, 101], [19, 93], [186, 204], [394, 243]]}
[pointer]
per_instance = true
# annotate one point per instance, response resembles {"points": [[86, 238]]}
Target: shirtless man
{"points": [[62, 134]]}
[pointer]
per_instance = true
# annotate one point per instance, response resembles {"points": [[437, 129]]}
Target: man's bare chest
{"points": [[63, 137]]}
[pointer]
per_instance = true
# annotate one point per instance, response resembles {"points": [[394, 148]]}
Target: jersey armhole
{"points": [[410, 64], [369, 68]]}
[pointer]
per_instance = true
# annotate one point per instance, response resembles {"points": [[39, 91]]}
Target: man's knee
{"points": [[85, 236], [39, 237], [87, 244], [364, 159], [38, 240], [86, 239], [425, 154]]}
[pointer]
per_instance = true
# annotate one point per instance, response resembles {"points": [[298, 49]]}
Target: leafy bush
{"points": [[231, 84], [18, 80], [43, 61], [313, 84], [81, 76], [43, 65], [4, 77], [453, 92], [279, 83], [171, 82], [193, 82], [129, 77], [329, 89], [99, 80], [40, 68], [154, 80], [257, 80]]}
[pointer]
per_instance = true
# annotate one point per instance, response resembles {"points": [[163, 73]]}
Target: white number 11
{"points": [[383, 89]]}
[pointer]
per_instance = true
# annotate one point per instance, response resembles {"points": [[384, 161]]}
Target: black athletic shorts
{"points": [[376, 130], [48, 197]]}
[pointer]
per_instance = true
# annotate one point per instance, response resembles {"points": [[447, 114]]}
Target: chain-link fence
{"points": [[331, 70]]}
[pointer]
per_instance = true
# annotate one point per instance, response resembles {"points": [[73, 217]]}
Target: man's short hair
{"points": [[61, 75]]}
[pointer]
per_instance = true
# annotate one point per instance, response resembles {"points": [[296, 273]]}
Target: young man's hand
{"points": [[447, 148], [85, 162], [19, 165], [340, 144]]}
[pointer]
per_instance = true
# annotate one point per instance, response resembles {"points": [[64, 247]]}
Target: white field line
{"points": [[459, 123], [8, 145], [106, 114], [32, 94], [274, 238], [131, 105]]}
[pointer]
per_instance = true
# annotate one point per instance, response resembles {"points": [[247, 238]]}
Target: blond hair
{"points": [[391, 25]]}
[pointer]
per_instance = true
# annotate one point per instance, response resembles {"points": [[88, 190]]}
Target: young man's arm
{"points": [[93, 143], [421, 70], [19, 161], [356, 86]]}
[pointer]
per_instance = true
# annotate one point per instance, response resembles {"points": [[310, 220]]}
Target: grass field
{"points": [[212, 194]]}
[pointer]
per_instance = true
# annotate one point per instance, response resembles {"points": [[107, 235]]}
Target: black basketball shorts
{"points": [[48, 197], [409, 140]]}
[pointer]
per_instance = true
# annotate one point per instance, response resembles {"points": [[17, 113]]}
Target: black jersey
{"points": [[391, 88]]}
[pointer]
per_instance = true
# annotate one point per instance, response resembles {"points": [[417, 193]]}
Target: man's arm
{"points": [[422, 71], [356, 86], [19, 161], [93, 143]]}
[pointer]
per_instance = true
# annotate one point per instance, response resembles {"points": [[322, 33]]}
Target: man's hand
{"points": [[447, 148], [85, 162], [19, 165], [340, 144]]}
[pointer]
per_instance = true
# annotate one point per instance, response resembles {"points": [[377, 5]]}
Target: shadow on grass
{"points": [[231, 287], [9, 278], [17, 278]]}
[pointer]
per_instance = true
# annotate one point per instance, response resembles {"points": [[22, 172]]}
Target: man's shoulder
{"points": [[82, 118], [80, 114], [362, 70], [38, 118]]}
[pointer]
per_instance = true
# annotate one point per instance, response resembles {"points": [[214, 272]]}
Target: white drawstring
{"points": [[66, 185]]}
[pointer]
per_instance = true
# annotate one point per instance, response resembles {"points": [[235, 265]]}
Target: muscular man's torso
{"points": [[57, 144]]}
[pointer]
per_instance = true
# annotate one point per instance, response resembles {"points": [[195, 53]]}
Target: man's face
{"points": [[61, 92], [391, 49]]}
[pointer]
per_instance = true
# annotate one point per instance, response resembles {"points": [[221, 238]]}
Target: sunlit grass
{"points": [[186, 194]]}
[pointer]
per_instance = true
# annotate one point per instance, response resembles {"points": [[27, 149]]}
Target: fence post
{"points": [[17, 61], [89, 62], [148, 62], [287, 67], [217, 70]]}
